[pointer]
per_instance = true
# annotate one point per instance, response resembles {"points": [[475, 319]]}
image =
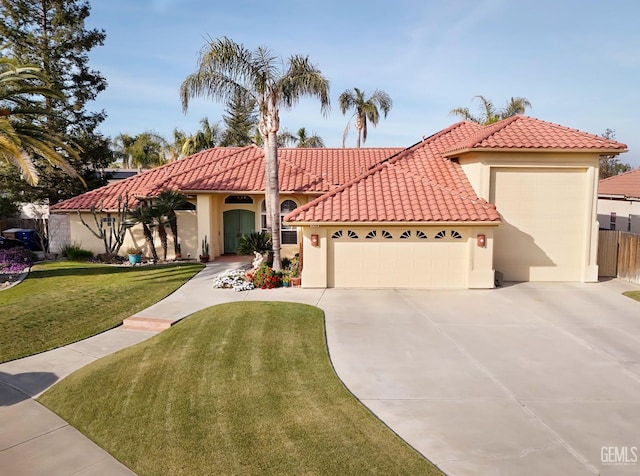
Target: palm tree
{"points": [[366, 110], [208, 136], [226, 68], [303, 141], [160, 221], [489, 114], [144, 216], [123, 148], [22, 134], [168, 202]]}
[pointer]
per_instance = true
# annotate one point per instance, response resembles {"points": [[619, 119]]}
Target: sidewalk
{"points": [[33, 440]]}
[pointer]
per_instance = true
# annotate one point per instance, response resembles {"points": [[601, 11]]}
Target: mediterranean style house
{"points": [[516, 197]]}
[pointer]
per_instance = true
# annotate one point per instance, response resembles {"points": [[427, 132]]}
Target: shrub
{"points": [[15, 260], [266, 278], [79, 255], [254, 242], [70, 248]]}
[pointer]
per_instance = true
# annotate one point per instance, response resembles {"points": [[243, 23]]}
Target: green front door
{"points": [[236, 223]]}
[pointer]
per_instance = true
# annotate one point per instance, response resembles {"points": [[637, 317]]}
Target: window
{"points": [[386, 235], [337, 235], [372, 234], [421, 235], [456, 235], [440, 235], [288, 234], [612, 221], [352, 234], [405, 235], [241, 199]]}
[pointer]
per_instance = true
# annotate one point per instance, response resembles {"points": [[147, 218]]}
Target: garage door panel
{"points": [[542, 236], [398, 263]]}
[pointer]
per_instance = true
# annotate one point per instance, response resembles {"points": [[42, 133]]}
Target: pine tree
{"points": [[241, 120], [51, 34]]}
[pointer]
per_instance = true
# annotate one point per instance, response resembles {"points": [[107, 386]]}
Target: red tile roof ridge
{"points": [[423, 142], [618, 176], [475, 141], [381, 166], [220, 171]]}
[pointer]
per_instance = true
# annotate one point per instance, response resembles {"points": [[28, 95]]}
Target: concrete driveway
{"points": [[528, 379]]}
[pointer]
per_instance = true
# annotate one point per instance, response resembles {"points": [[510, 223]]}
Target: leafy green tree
{"points": [[365, 110], [226, 68], [51, 35], [488, 112], [610, 165], [240, 120], [207, 137], [23, 135]]}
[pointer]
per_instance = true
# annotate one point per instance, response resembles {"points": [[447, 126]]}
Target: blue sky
{"points": [[577, 61]]}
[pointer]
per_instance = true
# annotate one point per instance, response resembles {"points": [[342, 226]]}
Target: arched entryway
{"points": [[236, 223]]}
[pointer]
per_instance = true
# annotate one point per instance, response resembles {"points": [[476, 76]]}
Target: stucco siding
{"points": [[544, 212]]}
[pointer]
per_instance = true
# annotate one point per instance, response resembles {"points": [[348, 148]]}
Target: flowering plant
{"points": [[15, 260], [266, 278], [235, 280]]}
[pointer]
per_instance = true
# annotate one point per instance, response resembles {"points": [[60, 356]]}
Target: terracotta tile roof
{"points": [[416, 185], [626, 184], [524, 132], [237, 169]]}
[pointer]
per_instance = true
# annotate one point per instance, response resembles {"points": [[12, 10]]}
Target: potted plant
{"points": [[135, 255], [204, 257], [295, 280]]}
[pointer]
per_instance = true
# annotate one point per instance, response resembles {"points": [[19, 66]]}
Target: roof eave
{"points": [[458, 152], [394, 223]]}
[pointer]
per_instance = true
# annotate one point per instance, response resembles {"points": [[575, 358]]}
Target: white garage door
{"points": [[398, 258], [544, 213]]}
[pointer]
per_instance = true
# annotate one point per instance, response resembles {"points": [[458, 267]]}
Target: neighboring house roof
{"points": [[625, 185], [416, 185], [524, 132]]}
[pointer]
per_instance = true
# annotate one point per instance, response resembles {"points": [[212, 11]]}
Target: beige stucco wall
{"points": [[398, 263], [548, 204], [210, 221], [187, 226], [627, 214]]}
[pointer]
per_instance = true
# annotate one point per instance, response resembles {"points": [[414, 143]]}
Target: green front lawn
{"points": [[62, 302], [240, 388]]}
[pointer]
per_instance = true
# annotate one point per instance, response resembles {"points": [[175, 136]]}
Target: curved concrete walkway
{"points": [[526, 379]]}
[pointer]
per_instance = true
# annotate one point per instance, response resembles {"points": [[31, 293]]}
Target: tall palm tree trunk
{"points": [[162, 234], [273, 195], [148, 236]]}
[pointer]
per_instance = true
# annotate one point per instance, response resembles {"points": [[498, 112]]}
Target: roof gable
{"points": [[524, 132]]}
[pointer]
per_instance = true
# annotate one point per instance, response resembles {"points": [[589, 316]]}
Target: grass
{"points": [[633, 295], [62, 302], [240, 388]]}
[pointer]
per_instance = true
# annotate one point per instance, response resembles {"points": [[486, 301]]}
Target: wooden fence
{"points": [[619, 255]]}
